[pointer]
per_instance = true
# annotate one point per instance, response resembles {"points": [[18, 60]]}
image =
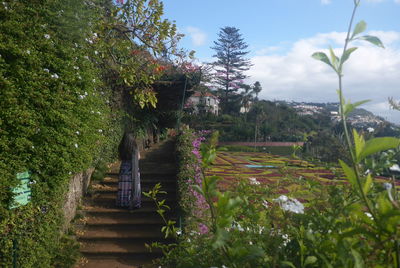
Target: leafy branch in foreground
{"points": [[169, 229], [382, 208]]}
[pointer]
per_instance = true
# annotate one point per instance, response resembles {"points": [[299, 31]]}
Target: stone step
{"points": [[121, 231], [115, 237], [144, 177], [112, 219], [110, 197], [113, 189], [106, 203], [123, 213], [116, 248], [115, 261]]}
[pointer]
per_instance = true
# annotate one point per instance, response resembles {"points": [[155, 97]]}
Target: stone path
{"points": [[114, 237]]}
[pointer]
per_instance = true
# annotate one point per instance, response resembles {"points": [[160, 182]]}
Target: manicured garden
{"points": [[245, 209], [269, 169]]}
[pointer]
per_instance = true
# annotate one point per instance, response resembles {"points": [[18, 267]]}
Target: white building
{"points": [[203, 101]]}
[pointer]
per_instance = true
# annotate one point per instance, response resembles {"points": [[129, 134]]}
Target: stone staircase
{"points": [[115, 237]]}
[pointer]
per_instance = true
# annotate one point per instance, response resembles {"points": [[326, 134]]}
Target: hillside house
{"points": [[203, 102]]}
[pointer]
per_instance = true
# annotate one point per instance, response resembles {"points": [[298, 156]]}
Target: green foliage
{"points": [[325, 146], [271, 121], [68, 74], [54, 118]]}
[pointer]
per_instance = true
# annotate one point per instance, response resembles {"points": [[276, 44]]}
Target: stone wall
{"points": [[78, 186]]}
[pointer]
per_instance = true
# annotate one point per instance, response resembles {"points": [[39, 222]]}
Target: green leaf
{"points": [[384, 205], [288, 263], [372, 39], [360, 27], [376, 145], [358, 260], [334, 59], [349, 172], [346, 54], [322, 57], [359, 143], [349, 107], [310, 260], [367, 185]]}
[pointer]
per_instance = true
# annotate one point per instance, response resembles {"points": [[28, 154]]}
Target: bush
{"points": [[55, 117]]}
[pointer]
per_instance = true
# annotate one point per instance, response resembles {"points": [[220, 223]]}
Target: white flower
{"points": [[254, 181], [95, 52], [33, 147], [86, 57], [55, 76], [282, 198], [369, 215], [98, 112], [100, 131], [178, 231], [395, 167], [250, 243], [76, 145], [47, 36], [79, 77], [290, 204], [82, 97], [237, 225], [76, 68], [265, 204], [46, 70], [77, 132], [370, 129], [95, 35], [28, 52], [94, 80], [86, 93], [388, 186], [286, 239]]}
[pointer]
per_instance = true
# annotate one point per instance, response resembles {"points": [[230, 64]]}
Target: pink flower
{"points": [[120, 2], [203, 229]]}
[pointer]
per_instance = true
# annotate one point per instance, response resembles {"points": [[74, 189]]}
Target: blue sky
{"points": [[282, 34]]}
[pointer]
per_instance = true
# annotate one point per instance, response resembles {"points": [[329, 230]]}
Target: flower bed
{"points": [[294, 216]]}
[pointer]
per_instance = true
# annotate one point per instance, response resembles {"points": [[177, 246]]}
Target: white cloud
{"points": [[370, 73], [268, 50], [325, 2], [198, 36]]}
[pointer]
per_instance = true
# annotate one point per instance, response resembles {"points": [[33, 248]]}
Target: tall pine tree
{"points": [[230, 67]]}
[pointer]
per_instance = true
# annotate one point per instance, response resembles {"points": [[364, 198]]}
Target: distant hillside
{"points": [[359, 118]]}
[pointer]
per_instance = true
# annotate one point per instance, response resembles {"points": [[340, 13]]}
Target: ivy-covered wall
{"points": [[55, 119]]}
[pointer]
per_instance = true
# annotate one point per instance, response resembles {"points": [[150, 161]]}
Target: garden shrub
{"points": [[54, 118]]}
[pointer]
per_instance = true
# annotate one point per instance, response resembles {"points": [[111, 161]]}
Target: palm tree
{"points": [[257, 89]]}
